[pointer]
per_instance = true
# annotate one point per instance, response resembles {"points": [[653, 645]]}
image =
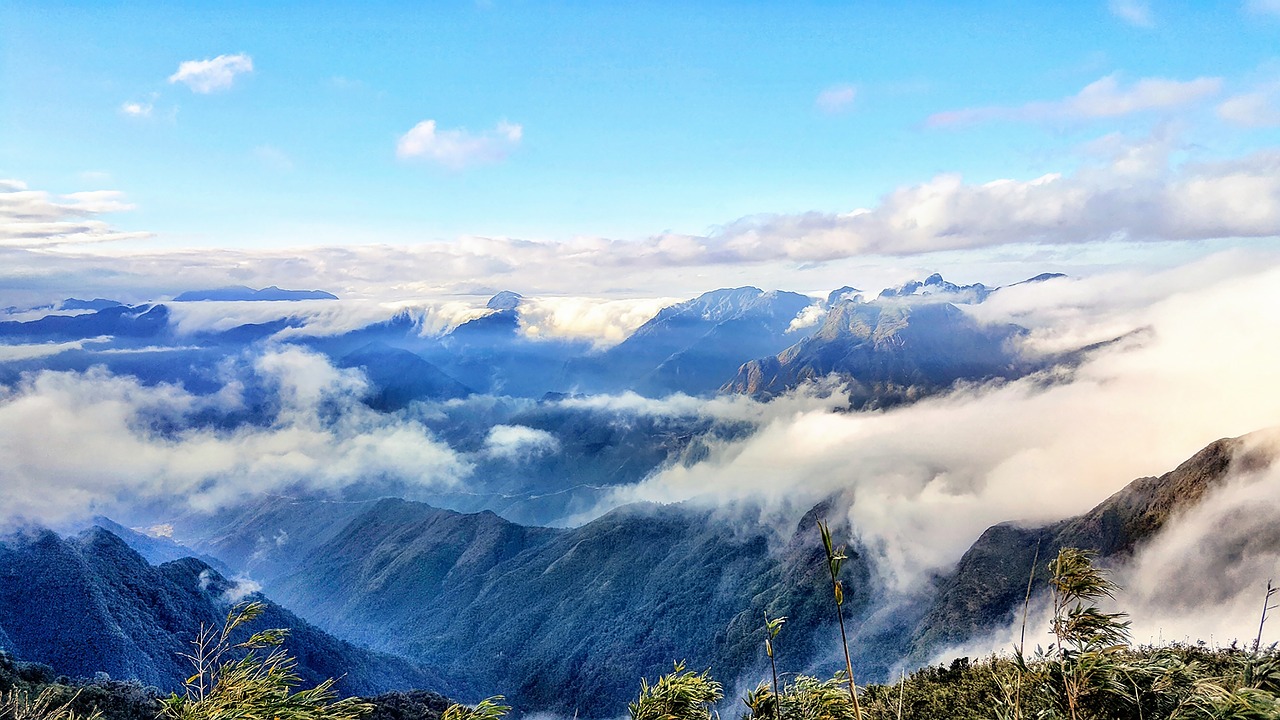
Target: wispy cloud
{"points": [[1263, 7], [207, 76], [35, 218], [836, 99], [1258, 108], [460, 148], [136, 109], [1103, 98], [1134, 12]]}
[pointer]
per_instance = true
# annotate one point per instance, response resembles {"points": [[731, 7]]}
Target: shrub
{"points": [[252, 680]]}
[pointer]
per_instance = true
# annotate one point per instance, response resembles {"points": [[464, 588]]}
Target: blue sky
{"points": [[556, 121]]}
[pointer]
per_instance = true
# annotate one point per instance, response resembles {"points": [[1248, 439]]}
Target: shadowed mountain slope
{"points": [[91, 604], [566, 620]]}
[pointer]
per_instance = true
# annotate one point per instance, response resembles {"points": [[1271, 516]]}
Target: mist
{"points": [[78, 444], [1195, 362]]}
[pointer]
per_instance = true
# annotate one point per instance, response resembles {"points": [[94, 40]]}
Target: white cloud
{"points": [[9, 353], [207, 76], [35, 218], [1134, 12], [77, 443], [603, 322], [1259, 108], [460, 148], [836, 99], [1103, 98], [518, 442], [1124, 194], [807, 318], [136, 109]]}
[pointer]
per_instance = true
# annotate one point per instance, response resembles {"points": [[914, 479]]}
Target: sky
{"points": [[637, 149]]}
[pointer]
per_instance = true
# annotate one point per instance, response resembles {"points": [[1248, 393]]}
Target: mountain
{"points": [[140, 321], [399, 377], [157, 550], [989, 583], [91, 604], [241, 293], [567, 620], [935, 285], [889, 351], [94, 304], [693, 346]]}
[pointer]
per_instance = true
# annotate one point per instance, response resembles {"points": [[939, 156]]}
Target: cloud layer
{"points": [[35, 218], [75, 444]]}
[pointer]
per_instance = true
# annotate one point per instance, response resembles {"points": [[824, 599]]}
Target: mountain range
{"points": [[907, 342], [562, 620], [594, 607]]}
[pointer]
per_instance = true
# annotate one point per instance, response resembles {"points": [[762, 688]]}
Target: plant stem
{"points": [[1266, 605], [902, 688], [848, 664], [1022, 642], [777, 700]]}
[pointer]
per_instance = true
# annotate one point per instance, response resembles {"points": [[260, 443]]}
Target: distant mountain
{"points": [[694, 346], [888, 351], [157, 550], [490, 354], [122, 321], [990, 581], [94, 304], [400, 377], [935, 285], [1040, 278], [567, 620], [244, 294], [91, 604]]}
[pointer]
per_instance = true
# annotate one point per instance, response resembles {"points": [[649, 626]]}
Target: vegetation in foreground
{"points": [[1089, 672]]}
